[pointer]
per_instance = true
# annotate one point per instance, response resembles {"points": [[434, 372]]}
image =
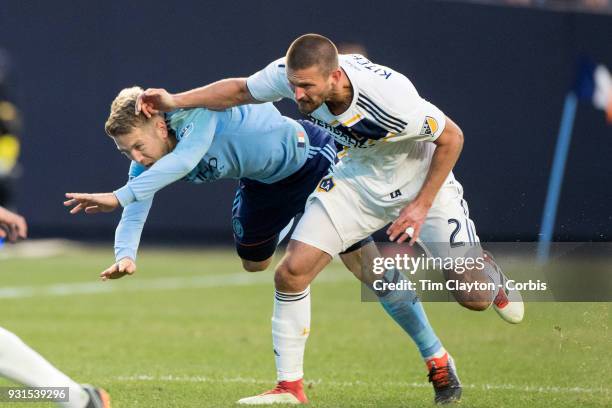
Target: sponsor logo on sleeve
{"points": [[430, 126], [186, 131]]}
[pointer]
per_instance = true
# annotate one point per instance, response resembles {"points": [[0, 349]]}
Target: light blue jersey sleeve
{"points": [[129, 230], [195, 134]]}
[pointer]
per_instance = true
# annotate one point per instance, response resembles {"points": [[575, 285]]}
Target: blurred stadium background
{"points": [[501, 72], [192, 329]]}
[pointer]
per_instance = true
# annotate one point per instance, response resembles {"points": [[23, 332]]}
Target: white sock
{"points": [[20, 363], [438, 354], [290, 329]]}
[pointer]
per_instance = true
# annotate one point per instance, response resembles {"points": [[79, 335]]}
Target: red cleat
{"points": [[443, 376], [507, 303], [285, 392]]}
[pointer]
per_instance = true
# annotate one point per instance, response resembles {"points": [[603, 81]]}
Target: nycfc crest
{"points": [[237, 226]]}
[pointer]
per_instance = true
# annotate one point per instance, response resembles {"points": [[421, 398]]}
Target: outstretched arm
{"points": [[127, 240], [219, 95], [129, 230], [268, 85], [199, 130]]}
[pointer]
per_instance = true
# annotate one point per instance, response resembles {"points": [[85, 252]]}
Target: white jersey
{"points": [[385, 108]]}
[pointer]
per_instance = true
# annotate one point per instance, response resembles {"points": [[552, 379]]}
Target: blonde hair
{"points": [[122, 118]]}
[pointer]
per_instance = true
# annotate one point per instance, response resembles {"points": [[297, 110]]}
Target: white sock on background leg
{"points": [[18, 362]]}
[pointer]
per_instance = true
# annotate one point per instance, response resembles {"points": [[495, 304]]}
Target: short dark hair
{"points": [[312, 49]]}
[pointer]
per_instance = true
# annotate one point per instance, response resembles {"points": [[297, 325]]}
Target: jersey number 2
{"points": [[453, 243]]}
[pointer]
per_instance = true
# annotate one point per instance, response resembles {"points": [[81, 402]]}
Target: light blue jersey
{"points": [[251, 141]]}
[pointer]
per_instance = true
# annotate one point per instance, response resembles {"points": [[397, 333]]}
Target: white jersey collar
{"points": [[348, 113]]}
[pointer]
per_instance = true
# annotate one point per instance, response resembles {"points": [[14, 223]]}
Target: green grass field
{"points": [[191, 329]]}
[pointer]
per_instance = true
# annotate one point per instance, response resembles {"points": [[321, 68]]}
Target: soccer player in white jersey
{"points": [[20, 363], [397, 160]]}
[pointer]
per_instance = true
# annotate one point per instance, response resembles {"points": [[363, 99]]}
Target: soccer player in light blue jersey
{"points": [[278, 162]]}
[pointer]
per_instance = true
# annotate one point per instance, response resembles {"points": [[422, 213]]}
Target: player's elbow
{"points": [[243, 96], [452, 135], [451, 139], [459, 138]]}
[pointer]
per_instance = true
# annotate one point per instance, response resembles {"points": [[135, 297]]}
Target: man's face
{"points": [[311, 87], [145, 144]]}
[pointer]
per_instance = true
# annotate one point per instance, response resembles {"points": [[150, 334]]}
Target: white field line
{"points": [[135, 284], [483, 387]]}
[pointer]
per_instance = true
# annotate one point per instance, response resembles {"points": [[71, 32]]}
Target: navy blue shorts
{"points": [[261, 211]]}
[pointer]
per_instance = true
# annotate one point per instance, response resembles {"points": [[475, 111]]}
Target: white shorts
{"points": [[340, 213]]}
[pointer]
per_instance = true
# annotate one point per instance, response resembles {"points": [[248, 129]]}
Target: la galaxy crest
{"points": [[326, 185], [430, 126]]}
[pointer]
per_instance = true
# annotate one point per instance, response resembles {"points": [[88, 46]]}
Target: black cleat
{"points": [[98, 398], [443, 376]]}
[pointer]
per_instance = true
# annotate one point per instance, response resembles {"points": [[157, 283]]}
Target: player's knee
{"points": [[253, 266], [477, 300], [289, 276], [293, 267], [475, 305], [256, 266]]}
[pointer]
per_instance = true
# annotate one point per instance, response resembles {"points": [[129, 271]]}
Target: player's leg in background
{"points": [[255, 266], [262, 214], [20, 363], [404, 306], [448, 231], [257, 223], [257, 257]]}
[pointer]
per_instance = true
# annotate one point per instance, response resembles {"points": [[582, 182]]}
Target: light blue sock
{"points": [[406, 309]]}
